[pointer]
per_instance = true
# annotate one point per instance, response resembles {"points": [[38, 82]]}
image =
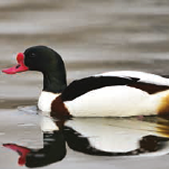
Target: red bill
{"points": [[20, 67]]}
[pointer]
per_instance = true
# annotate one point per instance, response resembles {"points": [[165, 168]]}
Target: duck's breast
{"points": [[45, 101]]}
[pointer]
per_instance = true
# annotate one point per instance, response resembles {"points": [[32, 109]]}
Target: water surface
{"points": [[92, 37]]}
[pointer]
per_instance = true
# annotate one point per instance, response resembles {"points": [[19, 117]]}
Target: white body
{"points": [[116, 101], [113, 101], [144, 77]]}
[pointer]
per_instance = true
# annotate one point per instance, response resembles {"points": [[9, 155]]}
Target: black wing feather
{"points": [[82, 86]]}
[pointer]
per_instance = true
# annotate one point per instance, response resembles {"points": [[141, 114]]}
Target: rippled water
{"points": [[92, 37]]}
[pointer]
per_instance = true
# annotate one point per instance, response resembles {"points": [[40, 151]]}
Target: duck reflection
{"points": [[96, 136], [117, 136], [53, 150]]}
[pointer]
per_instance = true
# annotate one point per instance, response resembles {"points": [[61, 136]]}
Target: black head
{"points": [[38, 58], [45, 60]]}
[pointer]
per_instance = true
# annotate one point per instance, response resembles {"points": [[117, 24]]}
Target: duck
{"points": [[110, 94]]}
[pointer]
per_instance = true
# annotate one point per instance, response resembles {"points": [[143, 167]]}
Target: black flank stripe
{"points": [[149, 88], [80, 87]]}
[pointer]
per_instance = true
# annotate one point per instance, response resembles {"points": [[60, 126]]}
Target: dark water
{"points": [[92, 37]]}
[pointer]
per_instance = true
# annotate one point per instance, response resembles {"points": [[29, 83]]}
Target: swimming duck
{"points": [[111, 94]]}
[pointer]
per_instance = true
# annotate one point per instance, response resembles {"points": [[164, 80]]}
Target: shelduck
{"points": [[111, 94]]}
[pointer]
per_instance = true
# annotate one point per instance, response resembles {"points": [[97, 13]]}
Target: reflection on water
{"points": [[53, 150], [92, 37], [97, 136]]}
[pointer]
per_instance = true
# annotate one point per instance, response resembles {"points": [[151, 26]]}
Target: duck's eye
{"points": [[32, 55]]}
